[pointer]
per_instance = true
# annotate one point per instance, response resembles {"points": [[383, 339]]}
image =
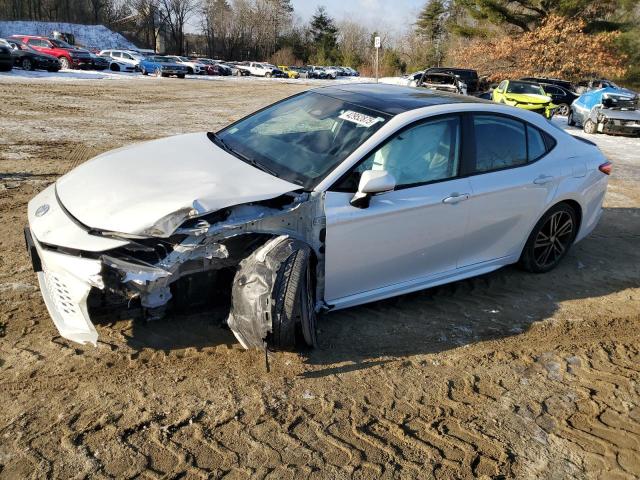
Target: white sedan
{"points": [[328, 199]]}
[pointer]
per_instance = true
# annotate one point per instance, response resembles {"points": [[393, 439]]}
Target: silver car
{"points": [[328, 199]]}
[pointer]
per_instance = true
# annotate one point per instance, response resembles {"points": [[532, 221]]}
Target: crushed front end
{"points": [[80, 268]]}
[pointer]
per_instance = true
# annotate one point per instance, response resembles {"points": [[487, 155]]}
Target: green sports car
{"points": [[527, 95]]}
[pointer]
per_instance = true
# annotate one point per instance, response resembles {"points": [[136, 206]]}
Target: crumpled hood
{"points": [[527, 98], [132, 189]]}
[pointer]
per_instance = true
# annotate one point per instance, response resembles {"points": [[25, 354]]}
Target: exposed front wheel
{"points": [[144, 71], [115, 67], [550, 239], [273, 297], [570, 120], [268, 75], [64, 63], [158, 72], [590, 127]]}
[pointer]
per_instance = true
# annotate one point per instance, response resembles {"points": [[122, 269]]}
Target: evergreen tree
{"points": [[324, 35]]}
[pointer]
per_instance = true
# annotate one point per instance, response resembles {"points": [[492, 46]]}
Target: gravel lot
{"points": [[508, 375]]}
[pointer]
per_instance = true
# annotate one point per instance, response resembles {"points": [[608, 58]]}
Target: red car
{"points": [[69, 56]]}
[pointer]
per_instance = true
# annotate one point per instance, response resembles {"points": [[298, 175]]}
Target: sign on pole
{"points": [[377, 42]]}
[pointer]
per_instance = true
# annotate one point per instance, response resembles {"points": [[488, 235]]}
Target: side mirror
{"points": [[372, 182]]}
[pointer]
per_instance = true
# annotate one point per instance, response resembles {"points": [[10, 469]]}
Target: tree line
{"points": [[498, 37]]}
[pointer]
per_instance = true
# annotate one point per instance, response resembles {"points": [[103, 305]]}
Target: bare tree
{"points": [[174, 15]]}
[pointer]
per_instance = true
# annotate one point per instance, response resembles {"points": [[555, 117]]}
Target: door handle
{"points": [[543, 179], [456, 198]]}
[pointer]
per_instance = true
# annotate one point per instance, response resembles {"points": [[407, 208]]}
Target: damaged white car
{"points": [[328, 199]]}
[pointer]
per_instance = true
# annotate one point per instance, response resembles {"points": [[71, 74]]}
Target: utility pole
{"points": [[377, 43]]}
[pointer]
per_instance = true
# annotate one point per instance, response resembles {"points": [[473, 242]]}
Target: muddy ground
{"points": [[510, 375]]}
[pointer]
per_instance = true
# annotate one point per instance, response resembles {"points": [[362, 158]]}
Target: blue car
{"points": [[162, 67], [612, 110]]}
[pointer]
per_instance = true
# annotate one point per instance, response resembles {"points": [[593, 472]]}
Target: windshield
{"points": [[60, 43], [525, 88], [161, 60], [302, 138]]}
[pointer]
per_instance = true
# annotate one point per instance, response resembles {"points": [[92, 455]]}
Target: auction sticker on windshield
{"points": [[360, 118]]}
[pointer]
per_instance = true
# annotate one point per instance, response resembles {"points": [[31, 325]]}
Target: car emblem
{"points": [[42, 209]]}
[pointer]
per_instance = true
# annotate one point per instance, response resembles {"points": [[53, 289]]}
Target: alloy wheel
{"points": [[26, 64], [64, 63], [563, 109], [553, 239]]}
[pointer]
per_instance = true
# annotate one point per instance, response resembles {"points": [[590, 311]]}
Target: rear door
{"points": [[511, 181]]}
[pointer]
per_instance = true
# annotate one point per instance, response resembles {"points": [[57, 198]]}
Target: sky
{"points": [[394, 15]]}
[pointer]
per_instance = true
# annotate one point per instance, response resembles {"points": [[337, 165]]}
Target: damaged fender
{"points": [[265, 292]]}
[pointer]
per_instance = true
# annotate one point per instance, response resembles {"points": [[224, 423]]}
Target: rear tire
{"points": [[115, 67], [563, 110], [590, 127], [550, 239]]}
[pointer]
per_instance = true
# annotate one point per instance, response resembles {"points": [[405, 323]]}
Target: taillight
{"points": [[606, 168]]}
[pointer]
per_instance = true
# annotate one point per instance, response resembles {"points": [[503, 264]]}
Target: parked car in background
{"points": [[567, 85], [215, 67], [525, 95], [99, 63], [262, 69], [326, 200], [607, 110], [409, 80], [27, 58], [560, 97], [467, 75], [351, 71], [69, 56], [594, 84], [314, 71], [6, 58], [162, 67], [333, 72], [237, 69], [289, 71], [194, 67], [123, 60], [445, 82]]}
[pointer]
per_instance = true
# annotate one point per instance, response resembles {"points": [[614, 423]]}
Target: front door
{"points": [[406, 235]]}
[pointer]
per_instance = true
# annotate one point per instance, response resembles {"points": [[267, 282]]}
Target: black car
{"points": [[468, 76], [552, 81], [27, 58], [6, 59], [561, 97], [99, 63]]}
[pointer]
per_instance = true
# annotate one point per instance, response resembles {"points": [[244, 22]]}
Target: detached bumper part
{"points": [[66, 301], [65, 282]]}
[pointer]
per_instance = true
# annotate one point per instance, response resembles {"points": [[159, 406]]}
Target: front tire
{"points": [[550, 239], [590, 127], [158, 73], [293, 310], [570, 120], [181, 75], [64, 63], [27, 64]]}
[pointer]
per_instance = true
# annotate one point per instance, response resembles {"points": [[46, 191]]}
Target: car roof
{"points": [[393, 99]]}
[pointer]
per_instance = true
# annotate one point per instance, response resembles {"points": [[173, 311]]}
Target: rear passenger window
{"points": [[536, 145], [500, 142]]}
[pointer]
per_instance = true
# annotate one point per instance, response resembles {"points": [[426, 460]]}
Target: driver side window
{"points": [[424, 153]]}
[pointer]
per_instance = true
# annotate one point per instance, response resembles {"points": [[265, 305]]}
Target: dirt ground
{"points": [[510, 375]]}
